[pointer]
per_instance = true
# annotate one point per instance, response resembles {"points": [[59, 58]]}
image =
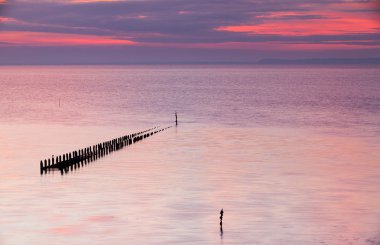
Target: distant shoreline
{"points": [[321, 61]]}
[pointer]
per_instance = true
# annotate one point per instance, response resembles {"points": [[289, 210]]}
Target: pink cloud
{"points": [[5, 19], [59, 39], [335, 25], [183, 12], [142, 17]]}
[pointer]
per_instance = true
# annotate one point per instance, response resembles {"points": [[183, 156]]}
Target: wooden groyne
{"points": [[75, 159]]}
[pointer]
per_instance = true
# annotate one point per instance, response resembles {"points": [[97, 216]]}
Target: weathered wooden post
{"points": [[221, 219]]}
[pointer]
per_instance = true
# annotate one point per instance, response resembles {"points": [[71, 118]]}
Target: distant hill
{"points": [[366, 61]]}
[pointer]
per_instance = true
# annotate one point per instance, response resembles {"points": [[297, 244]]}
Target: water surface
{"points": [[290, 153]]}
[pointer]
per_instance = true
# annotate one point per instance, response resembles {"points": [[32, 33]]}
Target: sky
{"points": [[186, 31]]}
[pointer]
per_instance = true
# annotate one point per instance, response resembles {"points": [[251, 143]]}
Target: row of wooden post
{"points": [[78, 158]]}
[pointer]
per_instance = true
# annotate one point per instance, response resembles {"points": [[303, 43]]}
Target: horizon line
{"points": [[265, 61]]}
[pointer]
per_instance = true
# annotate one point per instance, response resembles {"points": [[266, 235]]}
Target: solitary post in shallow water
{"points": [[221, 219], [176, 119]]}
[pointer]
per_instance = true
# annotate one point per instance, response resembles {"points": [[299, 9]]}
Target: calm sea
{"points": [[292, 155]]}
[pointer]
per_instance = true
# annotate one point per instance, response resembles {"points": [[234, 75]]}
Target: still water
{"points": [[292, 155]]}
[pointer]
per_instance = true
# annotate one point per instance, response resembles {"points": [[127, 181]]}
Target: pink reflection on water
{"points": [[100, 218], [303, 184], [67, 230]]}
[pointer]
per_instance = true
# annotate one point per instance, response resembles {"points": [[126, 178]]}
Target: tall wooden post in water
{"points": [[221, 220]]}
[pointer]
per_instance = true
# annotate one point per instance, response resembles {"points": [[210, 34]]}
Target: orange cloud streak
{"points": [[330, 24], [94, 1], [58, 39]]}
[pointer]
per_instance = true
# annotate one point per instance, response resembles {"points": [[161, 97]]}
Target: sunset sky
{"points": [[182, 31]]}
